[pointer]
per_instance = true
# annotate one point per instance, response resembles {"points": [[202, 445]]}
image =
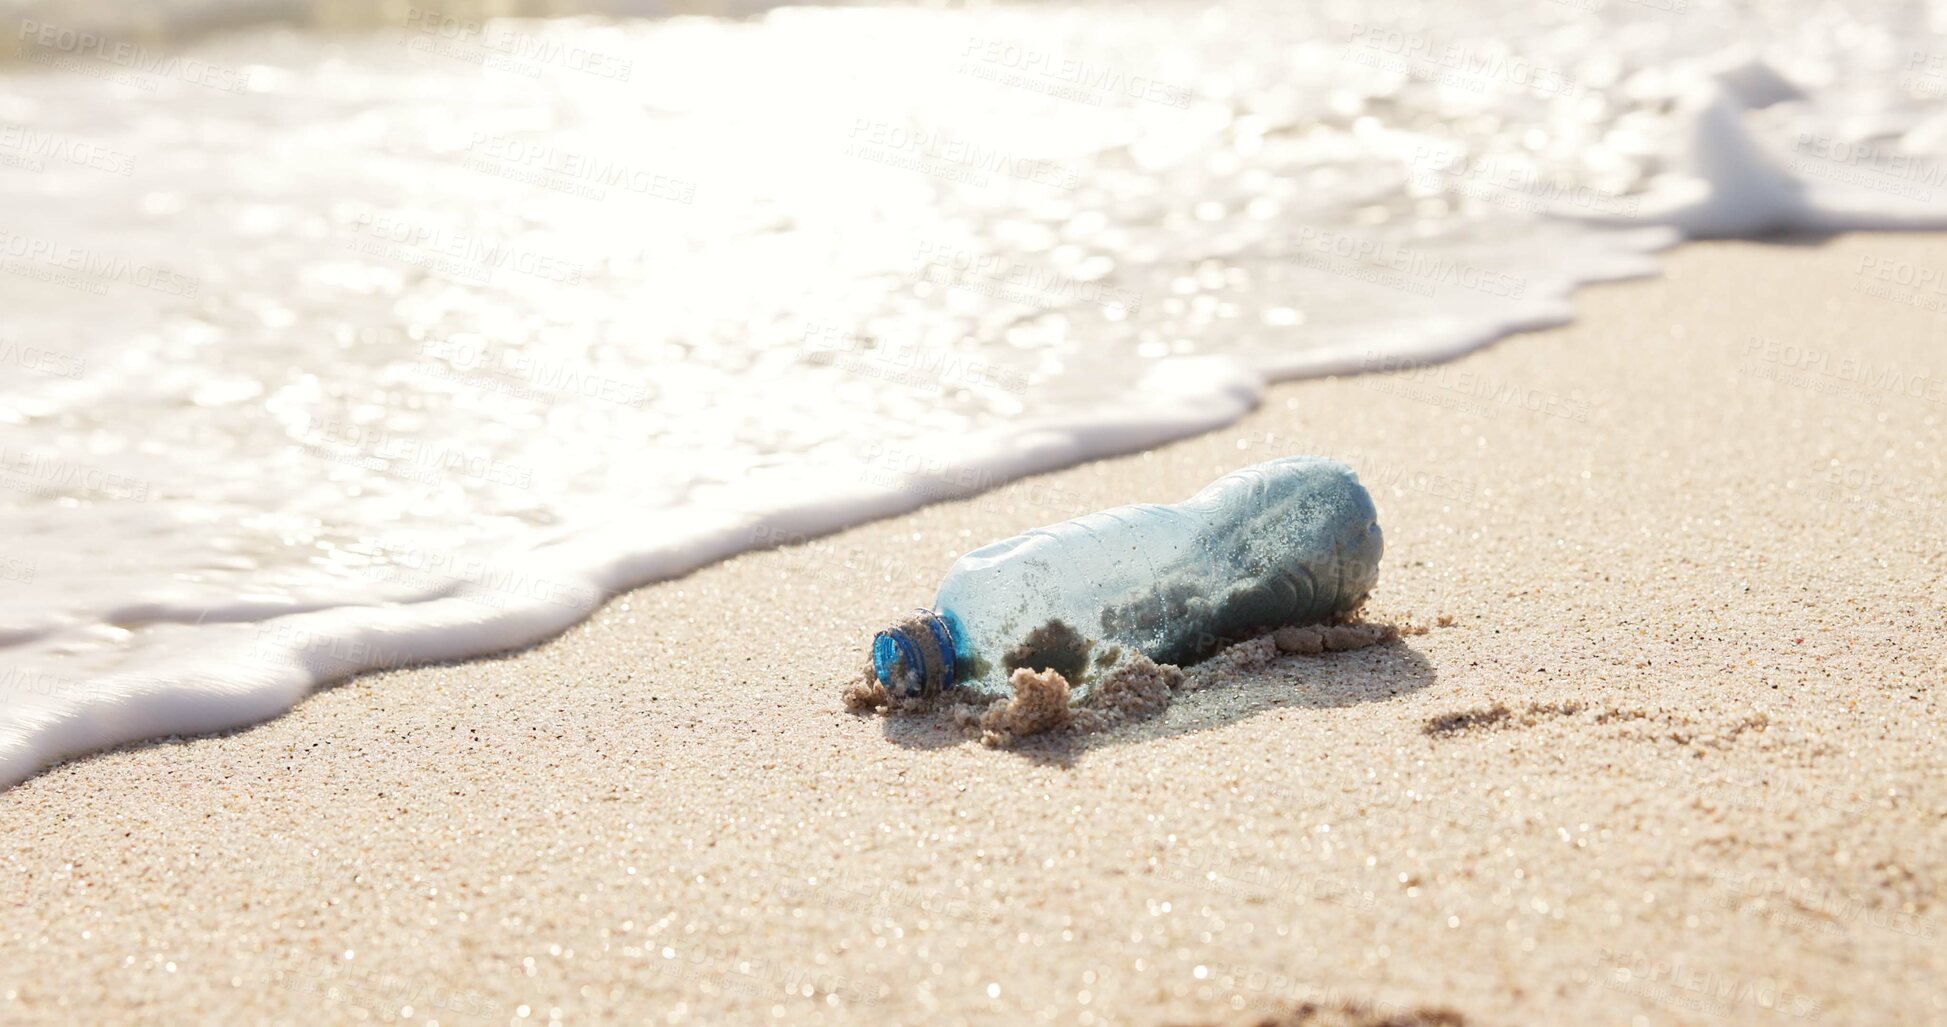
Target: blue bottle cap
{"points": [[914, 657]]}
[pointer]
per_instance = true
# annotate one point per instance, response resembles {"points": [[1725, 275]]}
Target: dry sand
{"points": [[1677, 759]]}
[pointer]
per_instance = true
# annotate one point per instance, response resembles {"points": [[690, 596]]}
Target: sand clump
{"points": [[1247, 657], [1409, 624], [1136, 689], [1332, 638], [865, 694], [1039, 705], [1354, 1014], [1499, 717], [1643, 725], [1042, 700]]}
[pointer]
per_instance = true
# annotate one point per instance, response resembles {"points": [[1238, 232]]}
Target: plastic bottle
{"points": [[1290, 541]]}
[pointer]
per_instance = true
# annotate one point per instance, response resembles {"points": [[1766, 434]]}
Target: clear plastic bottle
{"points": [[1290, 541]]}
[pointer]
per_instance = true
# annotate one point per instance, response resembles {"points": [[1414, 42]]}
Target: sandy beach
{"points": [[1676, 759]]}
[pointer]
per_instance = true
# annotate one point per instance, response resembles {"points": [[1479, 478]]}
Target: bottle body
{"points": [[1290, 541]]}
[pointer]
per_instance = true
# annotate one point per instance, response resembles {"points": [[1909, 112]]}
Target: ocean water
{"points": [[344, 342]]}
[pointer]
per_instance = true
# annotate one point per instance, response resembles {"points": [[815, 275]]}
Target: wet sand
{"points": [[1677, 758]]}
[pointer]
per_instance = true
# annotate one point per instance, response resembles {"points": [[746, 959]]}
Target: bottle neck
{"points": [[914, 656]]}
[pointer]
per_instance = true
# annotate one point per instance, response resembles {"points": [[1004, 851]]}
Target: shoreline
{"points": [[1677, 757]]}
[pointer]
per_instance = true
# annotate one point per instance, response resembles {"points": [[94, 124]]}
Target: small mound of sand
{"points": [[1243, 658], [1039, 705], [1498, 716], [1332, 638], [1408, 624], [866, 694], [1138, 687], [1135, 688], [1355, 1014]]}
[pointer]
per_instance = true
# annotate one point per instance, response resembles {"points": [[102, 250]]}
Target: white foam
{"points": [[339, 354]]}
